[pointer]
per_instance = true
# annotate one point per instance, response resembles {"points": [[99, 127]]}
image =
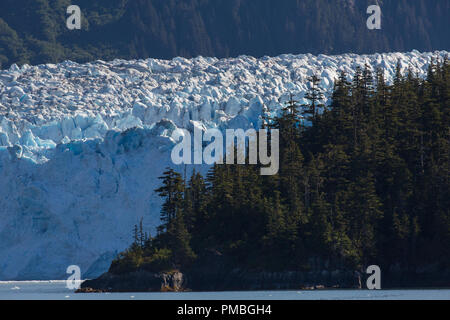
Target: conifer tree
{"points": [[172, 191], [315, 95], [173, 232]]}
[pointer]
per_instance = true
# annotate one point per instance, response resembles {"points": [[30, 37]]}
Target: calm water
{"points": [[56, 290]]}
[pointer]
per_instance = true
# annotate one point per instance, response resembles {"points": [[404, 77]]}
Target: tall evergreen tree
{"points": [[316, 97]]}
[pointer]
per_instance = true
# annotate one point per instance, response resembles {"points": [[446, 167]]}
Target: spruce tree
{"points": [[315, 95]]}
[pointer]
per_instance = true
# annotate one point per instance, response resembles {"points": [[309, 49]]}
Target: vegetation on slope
{"points": [[34, 31], [366, 183]]}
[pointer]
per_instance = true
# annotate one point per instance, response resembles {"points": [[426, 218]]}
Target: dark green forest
{"points": [[34, 31], [366, 182]]}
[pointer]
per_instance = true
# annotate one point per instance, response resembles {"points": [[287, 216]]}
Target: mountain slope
{"points": [[34, 31]]}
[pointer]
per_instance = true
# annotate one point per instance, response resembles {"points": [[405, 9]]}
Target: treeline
{"points": [[365, 182], [34, 31]]}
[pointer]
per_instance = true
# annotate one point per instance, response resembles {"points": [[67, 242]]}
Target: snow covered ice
{"points": [[82, 145]]}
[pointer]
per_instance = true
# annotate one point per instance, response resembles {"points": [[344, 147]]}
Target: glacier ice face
{"points": [[82, 145]]}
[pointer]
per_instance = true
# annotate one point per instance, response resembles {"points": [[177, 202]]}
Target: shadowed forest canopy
{"points": [[367, 182], [34, 31]]}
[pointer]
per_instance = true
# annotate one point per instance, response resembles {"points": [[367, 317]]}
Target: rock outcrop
{"points": [[139, 281]]}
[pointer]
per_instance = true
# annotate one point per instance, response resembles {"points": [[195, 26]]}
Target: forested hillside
{"points": [[34, 31], [367, 183]]}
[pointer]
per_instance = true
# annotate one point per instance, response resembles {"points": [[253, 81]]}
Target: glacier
{"points": [[82, 145]]}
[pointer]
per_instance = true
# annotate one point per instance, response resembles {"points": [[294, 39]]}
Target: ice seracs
{"points": [[84, 101]]}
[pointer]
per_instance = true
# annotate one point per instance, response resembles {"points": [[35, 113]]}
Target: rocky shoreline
{"points": [[238, 280], [214, 272], [139, 281]]}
